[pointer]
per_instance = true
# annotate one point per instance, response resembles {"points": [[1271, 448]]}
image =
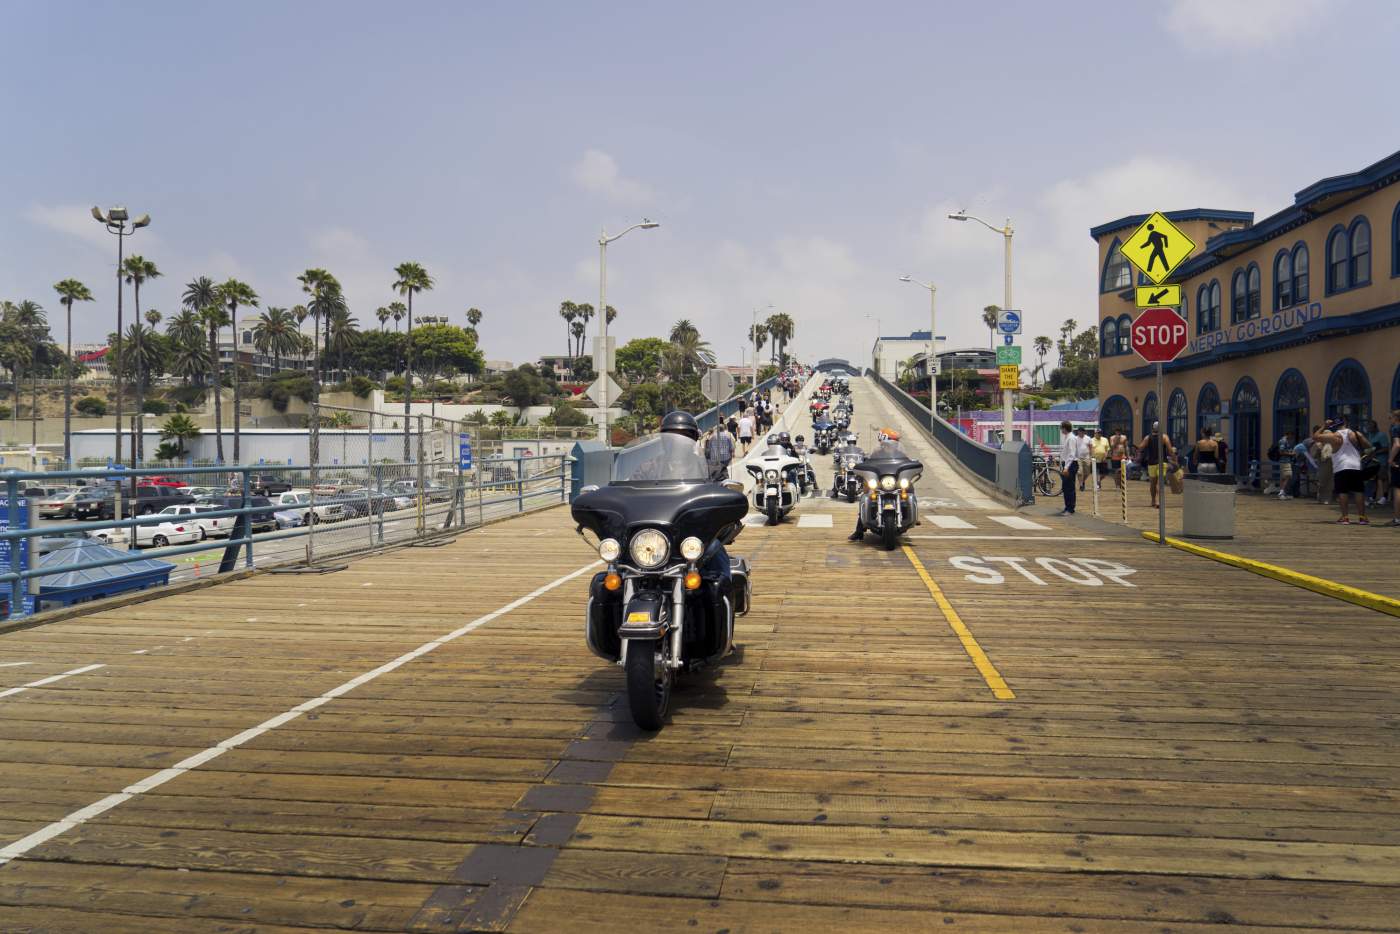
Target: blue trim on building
{"points": [[1190, 214], [1347, 363], [1318, 329], [1395, 392], [1395, 242]]}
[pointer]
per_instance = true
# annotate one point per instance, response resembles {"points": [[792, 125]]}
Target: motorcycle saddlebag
{"points": [[604, 616], [741, 589]]}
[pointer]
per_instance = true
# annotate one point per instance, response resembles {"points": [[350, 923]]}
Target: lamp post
{"points": [[1007, 396], [932, 347], [116, 222], [603, 372]]}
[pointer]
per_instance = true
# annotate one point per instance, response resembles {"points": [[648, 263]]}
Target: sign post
{"points": [[1159, 336], [1009, 324]]}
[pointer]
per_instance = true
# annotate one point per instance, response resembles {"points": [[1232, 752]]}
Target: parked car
{"points": [[262, 518], [268, 484], [198, 491], [209, 526], [325, 511], [157, 535], [53, 539], [170, 482], [289, 518], [58, 505], [361, 501]]}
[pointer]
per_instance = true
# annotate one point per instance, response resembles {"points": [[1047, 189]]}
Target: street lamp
{"points": [[932, 348], [116, 222], [603, 241], [1006, 232]]}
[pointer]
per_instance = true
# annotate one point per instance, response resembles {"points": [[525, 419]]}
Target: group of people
{"points": [[1359, 468], [753, 422]]}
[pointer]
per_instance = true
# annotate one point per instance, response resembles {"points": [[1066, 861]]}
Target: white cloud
{"points": [[598, 173], [1243, 23], [75, 220]]}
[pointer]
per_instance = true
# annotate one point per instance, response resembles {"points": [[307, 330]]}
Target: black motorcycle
{"points": [[889, 506], [846, 481], [666, 603], [823, 436]]}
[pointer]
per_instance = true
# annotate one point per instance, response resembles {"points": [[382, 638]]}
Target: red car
{"points": [[161, 481]]}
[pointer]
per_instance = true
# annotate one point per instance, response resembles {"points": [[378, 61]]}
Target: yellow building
{"points": [[1291, 320]]}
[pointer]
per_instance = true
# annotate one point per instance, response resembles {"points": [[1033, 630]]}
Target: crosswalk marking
{"points": [[814, 521], [951, 522], [1016, 522]]}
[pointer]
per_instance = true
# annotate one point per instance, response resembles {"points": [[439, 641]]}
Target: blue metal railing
{"points": [[710, 417]]}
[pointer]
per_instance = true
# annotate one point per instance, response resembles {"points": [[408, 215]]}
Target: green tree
{"points": [[341, 331], [525, 387], [93, 406], [383, 314], [397, 310], [569, 311], [179, 429], [235, 294], [445, 349], [639, 360], [1042, 346], [758, 336], [69, 291], [188, 357], [137, 270], [585, 315], [781, 329], [682, 328], [989, 321], [412, 279], [473, 317], [201, 296], [276, 334]]}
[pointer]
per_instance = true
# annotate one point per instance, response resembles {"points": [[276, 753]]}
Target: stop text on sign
{"points": [[1159, 335]]}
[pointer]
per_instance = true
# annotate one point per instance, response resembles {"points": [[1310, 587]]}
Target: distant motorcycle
{"points": [[823, 436], [776, 482]]}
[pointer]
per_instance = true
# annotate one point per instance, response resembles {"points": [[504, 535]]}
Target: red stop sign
{"points": [[1159, 335]]}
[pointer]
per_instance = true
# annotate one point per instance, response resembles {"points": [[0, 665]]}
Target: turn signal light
{"points": [[612, 581], [874, 496], [903, 494], [692, 580]]}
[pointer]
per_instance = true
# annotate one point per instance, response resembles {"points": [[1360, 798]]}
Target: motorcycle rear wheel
{"points": [[648, 683]]}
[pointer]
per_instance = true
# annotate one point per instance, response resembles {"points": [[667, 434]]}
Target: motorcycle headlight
{"points": [[887, 483], [771, 476], [609, 549], [692, 548], [904, 483], [649, 548], [870, 483]]}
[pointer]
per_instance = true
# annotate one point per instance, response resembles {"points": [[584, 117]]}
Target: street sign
{"points": [[608, 364], [1009, 321], [1157, 247], [1010, 376], [1008, 356], [717, 384], [594, 390], [1159, 335], [1008, 339], [1158, 296], [464, 452]]}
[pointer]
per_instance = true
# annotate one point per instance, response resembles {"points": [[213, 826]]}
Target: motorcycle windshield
{"points": [[665, 458], [775, 450]]}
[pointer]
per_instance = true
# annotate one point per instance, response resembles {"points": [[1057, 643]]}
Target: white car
{"points": [[157, 534], [198, 491], [208, 526], [300, 500]]}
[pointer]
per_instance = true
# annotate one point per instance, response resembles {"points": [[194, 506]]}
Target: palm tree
{"points": [[989, 318], [186, 333], [1042, 346], [179, 428], [137, 269], [781, 328], [341, 331], [27, 332], [612, 314], [569, 311], [1066, 333], [396, 311], [576, 329], [383, 314], [758, 336], [69, 291], [585, 315], [214, 318], [473, 317], [234, 293], [316, 283], [275, 333], [681, 328], [412, 278]]}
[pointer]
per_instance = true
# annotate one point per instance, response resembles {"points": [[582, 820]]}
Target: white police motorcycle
{"points": [[777, 487]]}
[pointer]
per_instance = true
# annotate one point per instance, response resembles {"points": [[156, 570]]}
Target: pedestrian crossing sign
{"points": [[1158, 296], [1157, 247]]}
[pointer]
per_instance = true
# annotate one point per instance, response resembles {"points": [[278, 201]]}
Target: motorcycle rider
{"points": [[714, 563], [886, 448]]}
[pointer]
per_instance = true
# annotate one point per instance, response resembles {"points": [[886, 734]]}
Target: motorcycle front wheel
{"points": [[772, 511], [889, 535], [648, 683]]}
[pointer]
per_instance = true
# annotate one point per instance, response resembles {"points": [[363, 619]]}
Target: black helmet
{"points": [[681, 423], [784, 437], [800, 439]]}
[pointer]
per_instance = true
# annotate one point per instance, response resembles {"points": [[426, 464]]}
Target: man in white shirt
{"points": [[1070, 452], [746, 430]]}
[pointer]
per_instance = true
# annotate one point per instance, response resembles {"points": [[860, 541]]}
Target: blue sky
{"points": [[802, 155]]}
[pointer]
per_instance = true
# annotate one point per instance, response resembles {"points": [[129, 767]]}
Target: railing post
{"points": [[520, 484], [422, 482], [313, 476], [248, 554], [379, 485], [16, 585]]}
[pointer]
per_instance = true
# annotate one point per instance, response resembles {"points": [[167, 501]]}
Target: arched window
{"points": [[1208, 308], [1395, 241], [1300, 273], [1117, 274], [1291, 405], [1349, 393], [1125, 334], [1176, 418], [1338, 260], [1239, 309], [1116, 416], [1208, 408], [1395, 402], [1244, 414], [1149, 413], [1283, 280], [1360, 235], [1253, 306], [1108, 337]]}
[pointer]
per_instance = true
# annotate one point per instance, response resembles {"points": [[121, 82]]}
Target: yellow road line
{"points": [[989, 672], [1328, 588]]}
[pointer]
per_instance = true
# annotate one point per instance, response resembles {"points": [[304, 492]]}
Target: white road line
{"points": [[1016, 522], [1016, 538], [814, 521], [13, 664], [951, 522], [51, 679], [156, 779]]}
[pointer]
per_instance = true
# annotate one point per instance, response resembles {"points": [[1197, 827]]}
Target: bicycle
{"points": [[1046, 479]]}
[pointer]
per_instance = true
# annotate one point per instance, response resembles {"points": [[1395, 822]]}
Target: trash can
{"points": [[1208, 506]]}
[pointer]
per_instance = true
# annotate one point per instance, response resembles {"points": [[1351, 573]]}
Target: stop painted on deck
{"points": [[1083, 572]]}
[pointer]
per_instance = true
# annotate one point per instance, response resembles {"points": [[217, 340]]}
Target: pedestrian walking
{"points": [[1206, 453], [1156, 450], [1303, 463], [1379, 482], [720, 452], [1348, 447], [1117, 453], [1085, 456], [746, 426], [1069, 466], [1098, 450], [1322, 453]]}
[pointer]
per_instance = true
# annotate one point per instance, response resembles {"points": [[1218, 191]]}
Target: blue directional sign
{"points": [[464, 452], [1009, 321], [22, 514], [1008, 339]]}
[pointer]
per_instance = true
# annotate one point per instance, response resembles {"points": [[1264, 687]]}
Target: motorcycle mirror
{"points": [[591, 488], [733, 485]]}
